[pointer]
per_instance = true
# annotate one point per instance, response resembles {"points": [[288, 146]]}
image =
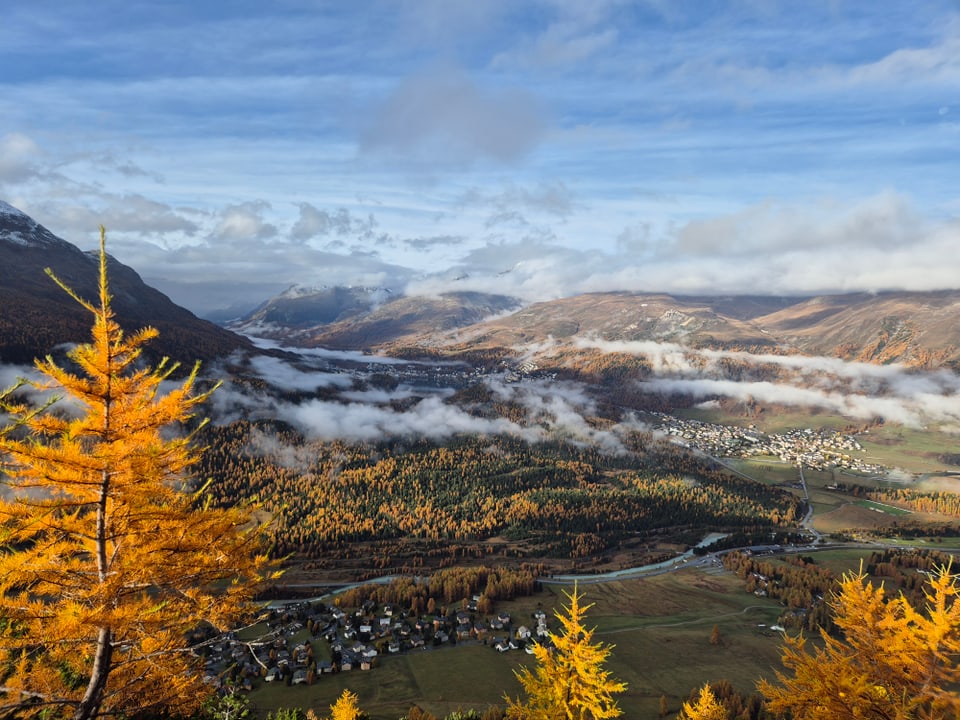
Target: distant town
{"points": [[816, 449]]}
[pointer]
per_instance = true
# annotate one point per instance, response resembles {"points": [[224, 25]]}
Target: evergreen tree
{"points": [[107, 557], [715, 637], [569, 682]]}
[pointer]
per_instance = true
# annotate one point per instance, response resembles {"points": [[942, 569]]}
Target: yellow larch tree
{"points": [[707, 707], [569, 681], [109, 555], [894, 661], [346, 707]]}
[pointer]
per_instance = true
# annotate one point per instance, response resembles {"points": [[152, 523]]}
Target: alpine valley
{"points": [[381, 433], [696, 461]]}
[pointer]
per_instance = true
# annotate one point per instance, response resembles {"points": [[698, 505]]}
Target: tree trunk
{"points": [[93, 696], [90, 704]]}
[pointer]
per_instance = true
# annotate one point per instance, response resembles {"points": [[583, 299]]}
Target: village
{"points": [[298, 643], [815, 449]]}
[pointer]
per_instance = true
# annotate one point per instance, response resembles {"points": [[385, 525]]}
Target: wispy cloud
{"points": [[314, 222], [431, 417], [242, 223], [353, 408], [19, 156]]}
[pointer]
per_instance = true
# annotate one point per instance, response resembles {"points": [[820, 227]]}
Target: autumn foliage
{"points": [[108, 554], [706, 707], [346, 707], [329, 499], [894, 661], [569, 681]]}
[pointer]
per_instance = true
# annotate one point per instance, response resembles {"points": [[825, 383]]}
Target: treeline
{"points": [[561, 499], [906, 571], [446, 587], [736, 705], [795, 581], [804, 587], [940, 502], [943, 503]]}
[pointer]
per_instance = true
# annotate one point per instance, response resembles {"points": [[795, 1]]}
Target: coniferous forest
{"points": [[416, 499]]}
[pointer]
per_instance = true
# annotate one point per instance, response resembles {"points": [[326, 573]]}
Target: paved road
{"points": [[807, 522]]}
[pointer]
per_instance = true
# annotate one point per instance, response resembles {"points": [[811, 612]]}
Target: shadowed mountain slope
{"points": [[38, 316]]}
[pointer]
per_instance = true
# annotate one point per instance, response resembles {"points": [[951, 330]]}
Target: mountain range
{"points": [[915, 328]]}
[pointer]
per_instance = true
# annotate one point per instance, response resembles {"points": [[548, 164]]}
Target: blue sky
{"points": [[532, 148]]}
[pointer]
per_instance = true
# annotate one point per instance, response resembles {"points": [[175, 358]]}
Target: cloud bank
{"points": [[853, 389], [354, 407]]}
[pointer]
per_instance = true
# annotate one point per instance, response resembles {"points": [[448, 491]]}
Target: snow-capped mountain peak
{"points": [[18, 228], [8, 209], [299, 291]]}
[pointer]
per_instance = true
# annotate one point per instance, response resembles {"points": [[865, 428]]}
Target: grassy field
{"points": [[911, 449], [836, 511], [768, 470], [839, 561], [777, 422], [660, 626], [882, 507]]}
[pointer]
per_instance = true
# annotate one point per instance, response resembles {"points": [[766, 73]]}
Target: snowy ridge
{"points": [[20, 229], [298, 291], [8, 209], [378, 294]]}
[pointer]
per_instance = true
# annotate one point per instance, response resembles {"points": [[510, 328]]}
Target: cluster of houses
{"points": [[816, 449], [299, 643]]}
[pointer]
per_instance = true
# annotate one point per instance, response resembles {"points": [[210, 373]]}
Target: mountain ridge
{"points": [[914, 328], [43, 317]]}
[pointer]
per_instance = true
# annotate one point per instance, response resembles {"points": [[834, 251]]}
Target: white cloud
{"points": [[546, 198], [878, 243], [853, 389], [577, 32], [245, 222], [430, 418], [19, 159], [317, 223], [552, 410], [283, 375], [938, 63], [914, 411], [878, 223], [651, 146]]}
